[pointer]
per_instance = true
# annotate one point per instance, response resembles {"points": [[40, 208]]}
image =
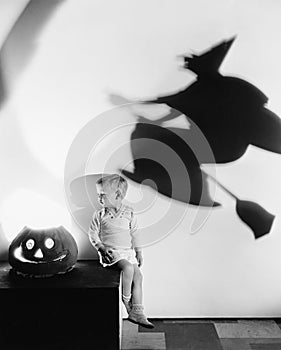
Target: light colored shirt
{"points": [[115, 230]]}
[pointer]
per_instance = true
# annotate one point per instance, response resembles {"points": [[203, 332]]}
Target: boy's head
{"points": [[111, 190]]}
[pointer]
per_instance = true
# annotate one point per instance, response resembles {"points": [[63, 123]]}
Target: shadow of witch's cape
{"points": [[168, 160]]}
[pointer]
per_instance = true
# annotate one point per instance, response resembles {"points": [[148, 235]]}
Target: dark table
{"points": [[79, 310]]}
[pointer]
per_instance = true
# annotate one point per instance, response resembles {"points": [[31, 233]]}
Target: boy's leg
{"points": [[127, 270], [137, 286], [136, 314]]}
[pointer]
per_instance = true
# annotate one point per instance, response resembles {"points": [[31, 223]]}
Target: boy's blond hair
{"points": [[115, 182]]}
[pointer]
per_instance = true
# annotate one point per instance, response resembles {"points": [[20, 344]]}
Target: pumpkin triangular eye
{"points": [[49, 243], [29, 244]]}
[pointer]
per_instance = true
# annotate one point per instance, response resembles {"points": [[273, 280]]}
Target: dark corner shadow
{"points": [[21, 40], [165, 161]]}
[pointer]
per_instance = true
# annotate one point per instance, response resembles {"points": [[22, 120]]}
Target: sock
{"points": [[126, 298], [138, 308]]}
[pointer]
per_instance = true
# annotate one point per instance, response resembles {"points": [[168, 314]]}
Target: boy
{"points": [[113, 233]]}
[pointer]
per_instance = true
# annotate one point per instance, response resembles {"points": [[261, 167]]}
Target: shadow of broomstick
{"points": [[252, 214], [155, 163]]}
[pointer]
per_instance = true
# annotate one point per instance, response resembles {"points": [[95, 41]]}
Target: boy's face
{"points": [[107, 197]]}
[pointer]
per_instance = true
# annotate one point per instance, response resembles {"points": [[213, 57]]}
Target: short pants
{"points": [[119, 254]]}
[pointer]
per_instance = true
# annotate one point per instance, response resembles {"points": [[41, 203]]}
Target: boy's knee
{"points": [[128, 269]]}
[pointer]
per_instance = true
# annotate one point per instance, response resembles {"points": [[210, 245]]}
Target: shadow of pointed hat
{"points": [[209, 61]]}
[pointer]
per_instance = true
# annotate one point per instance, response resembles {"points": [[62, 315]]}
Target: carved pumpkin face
{"points": [[43, 253]]}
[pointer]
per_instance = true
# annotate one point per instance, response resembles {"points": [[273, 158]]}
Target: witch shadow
{"points": [[21, 42], [230, 112]]}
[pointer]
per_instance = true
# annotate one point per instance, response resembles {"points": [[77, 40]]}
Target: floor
{"points": [[200, 334]]}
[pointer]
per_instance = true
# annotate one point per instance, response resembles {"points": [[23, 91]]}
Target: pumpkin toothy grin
{"points": [[43, 252], [18, 255]]}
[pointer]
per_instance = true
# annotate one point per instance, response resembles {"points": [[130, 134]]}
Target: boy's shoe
{"points": [[137, 316]]}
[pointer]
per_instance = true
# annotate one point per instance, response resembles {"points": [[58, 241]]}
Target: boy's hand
{"points": [[139, 257], [106, 254]]}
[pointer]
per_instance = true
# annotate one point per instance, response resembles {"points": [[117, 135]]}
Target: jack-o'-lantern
{"points": [[43, 252]]}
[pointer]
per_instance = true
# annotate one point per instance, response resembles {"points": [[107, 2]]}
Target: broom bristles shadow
{"points": [[252, 214]]}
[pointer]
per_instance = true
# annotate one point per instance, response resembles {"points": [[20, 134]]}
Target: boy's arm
{"points": [[133, 232], [94, 231], [135, 240]]}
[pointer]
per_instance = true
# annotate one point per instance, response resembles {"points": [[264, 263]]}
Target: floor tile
{"points": [[266, 346], [189, 336], [264, 341], [248, 329], [133, 339], [201, 336], [250, 344], [235, 344], [158, 326], [215, 334], [278, 322]]}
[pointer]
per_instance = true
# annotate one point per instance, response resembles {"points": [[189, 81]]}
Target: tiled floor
{"points": [[246, 334]]}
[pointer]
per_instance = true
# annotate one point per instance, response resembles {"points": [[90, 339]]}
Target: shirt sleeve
{"points": [[134, 232], [94, 231]]}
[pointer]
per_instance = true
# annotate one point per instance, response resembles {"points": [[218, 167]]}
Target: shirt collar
{"points": [[115, 213]]}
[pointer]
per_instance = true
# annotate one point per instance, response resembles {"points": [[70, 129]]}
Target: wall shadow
{"points": [[230, 111], [169, 163], [3, 88], [21, 42], [83, 200]]}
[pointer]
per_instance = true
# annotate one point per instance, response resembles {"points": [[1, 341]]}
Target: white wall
{"points": [[60, 64]]}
